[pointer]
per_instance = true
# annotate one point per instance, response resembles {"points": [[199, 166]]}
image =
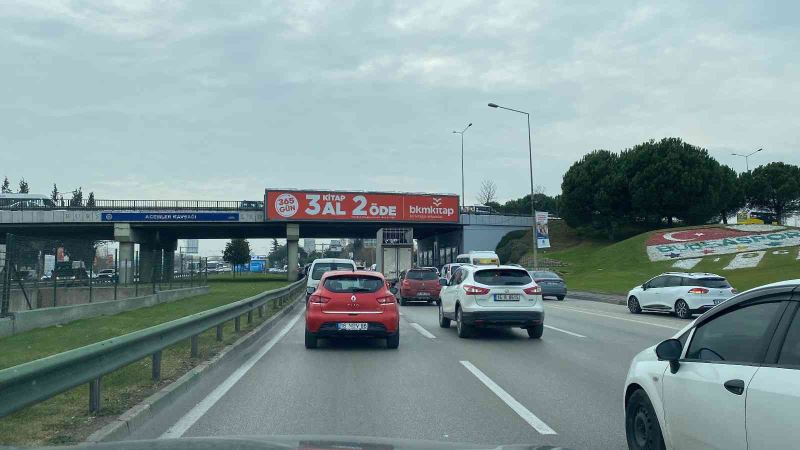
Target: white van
{"points": [[25, 201], [322, 265], [479, 258]]}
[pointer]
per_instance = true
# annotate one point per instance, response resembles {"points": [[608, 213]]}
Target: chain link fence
{"points": [[44, 272]]}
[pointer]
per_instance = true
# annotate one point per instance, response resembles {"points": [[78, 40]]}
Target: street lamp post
{"points": [[747, 157], [530, 158], [463, 199]]}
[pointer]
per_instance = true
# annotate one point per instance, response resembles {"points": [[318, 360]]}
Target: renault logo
{"points": [[353, 298]]}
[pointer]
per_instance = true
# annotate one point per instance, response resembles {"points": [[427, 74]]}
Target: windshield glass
{"points": [[502, 277], [543, 274], [421, 275], [321, 268], [720, 283], [351, 283]]}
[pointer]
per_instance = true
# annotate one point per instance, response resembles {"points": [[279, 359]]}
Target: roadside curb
{"points": [[136, 416], [598, 297]]}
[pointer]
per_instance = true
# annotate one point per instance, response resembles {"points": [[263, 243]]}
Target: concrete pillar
{"points": [[126, 257], [147, 261], [292, 236], [169, 258]]}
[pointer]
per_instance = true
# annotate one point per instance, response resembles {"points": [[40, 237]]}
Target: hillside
{"points": [[616, 267]]}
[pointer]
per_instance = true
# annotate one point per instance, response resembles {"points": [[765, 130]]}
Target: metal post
{"points": [[95, 395], [250, 317], [157, 365], [237, 324], [463, 199], [116, 272], [261, 311], [6, 280], [181, 269], [153, 269], [91, 272], [52, 275], [195, 351], [533, 208], [135, 274], [219, 332]]}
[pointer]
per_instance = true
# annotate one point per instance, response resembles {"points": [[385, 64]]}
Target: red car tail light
{"points": [[698, 291], [533, 290], [475, 290], [318, 299], [386, 300]]}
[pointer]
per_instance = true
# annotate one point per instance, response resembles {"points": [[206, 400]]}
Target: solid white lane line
{"points": [[422, 331], [565, 331], [615, 317], [518, 408], [186, 422]]}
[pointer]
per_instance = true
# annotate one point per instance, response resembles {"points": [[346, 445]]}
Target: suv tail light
{"points": [[698, 291], [475, 290], [318, 299], [533, 290], [386, 300]]}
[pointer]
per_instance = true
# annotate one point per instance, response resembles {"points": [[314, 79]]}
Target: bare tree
{"points": [[488, 192]]}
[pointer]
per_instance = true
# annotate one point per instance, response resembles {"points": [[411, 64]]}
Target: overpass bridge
{"points": [[442, 228]]}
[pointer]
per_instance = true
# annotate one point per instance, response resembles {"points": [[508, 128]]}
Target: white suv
{"points": [[729, 380], [500, 296], [681, 293]]}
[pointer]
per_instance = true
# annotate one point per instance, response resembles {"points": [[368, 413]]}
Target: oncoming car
{"points": [[729, 380], [502, 296], [352, 304], [681, 293]]}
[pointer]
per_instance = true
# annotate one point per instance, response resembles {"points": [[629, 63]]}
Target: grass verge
{"points": [[64, 419]]}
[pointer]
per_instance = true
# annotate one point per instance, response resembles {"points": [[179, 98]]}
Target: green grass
{"points": [[616, 268], [64, 419]]}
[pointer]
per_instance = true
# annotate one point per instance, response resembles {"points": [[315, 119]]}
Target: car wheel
{"points": [[393, 341], [641, 424], [633, 305], [444, 322], [463, 329], [536, 331], [311, 340], [430, 302], [682, 310], [560, 298], [438, 301]]}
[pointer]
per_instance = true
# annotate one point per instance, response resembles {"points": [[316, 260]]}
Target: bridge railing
{"points": [[39, 380], [135, 205]]}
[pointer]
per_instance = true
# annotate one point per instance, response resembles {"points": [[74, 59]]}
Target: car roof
{"points": [[370, 273], [695, 275], [336, 260], [501, 266]]}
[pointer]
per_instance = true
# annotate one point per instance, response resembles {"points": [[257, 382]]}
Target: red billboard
{"points": [[360, 206]]}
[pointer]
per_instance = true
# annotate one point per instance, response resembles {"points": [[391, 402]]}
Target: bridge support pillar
{"points": [[292, 236], [169, 259], [125, 262], [148, 255]]}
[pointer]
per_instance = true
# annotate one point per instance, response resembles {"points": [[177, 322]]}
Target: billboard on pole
{"points": [[542, 230], [360, 206]]}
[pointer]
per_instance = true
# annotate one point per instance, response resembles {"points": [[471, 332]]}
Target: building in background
{"points": [[309, 245], [189, 246]]}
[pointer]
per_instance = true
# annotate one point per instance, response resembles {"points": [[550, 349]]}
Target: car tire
{"points": [[394, 340], [430, 302], [444, 322], [311, 340], [463, 328], [642, 429], [560, 298], [633, 305], [438, 302], [682, 310], [536, 331]]}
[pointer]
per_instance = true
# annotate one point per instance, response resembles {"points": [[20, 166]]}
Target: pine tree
{"points": [[6, 187], [23, 187]]}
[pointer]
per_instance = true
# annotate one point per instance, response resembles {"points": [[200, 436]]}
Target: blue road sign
{"points": [[109, 216]]}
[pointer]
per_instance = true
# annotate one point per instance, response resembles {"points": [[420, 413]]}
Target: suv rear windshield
{"points": [[421, 275], [502, 277], [353, 283], [715, 283], [321, 268]]}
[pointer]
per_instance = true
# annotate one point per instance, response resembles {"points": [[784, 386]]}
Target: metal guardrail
{"points": [[136, 205], [36, 381]]}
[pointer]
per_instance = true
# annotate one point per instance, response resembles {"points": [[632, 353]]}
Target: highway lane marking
{"points": [[422, 330], [200, 409], [565, 331], [518, 408], [614, 317]]}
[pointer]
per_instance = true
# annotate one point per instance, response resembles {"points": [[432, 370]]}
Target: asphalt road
{"points": [[499, 387]]}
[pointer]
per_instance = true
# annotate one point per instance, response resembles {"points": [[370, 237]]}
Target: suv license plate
{"points": [[506, 297], [352, 326]]}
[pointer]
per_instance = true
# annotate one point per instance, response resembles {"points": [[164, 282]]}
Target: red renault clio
{"points": [[357, 304]]}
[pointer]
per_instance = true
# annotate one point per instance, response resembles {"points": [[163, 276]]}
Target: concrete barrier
{"points": [[22, 321]]}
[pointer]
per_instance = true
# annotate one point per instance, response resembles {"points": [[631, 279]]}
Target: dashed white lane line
{"points": [[194, 414], [644, 322], [565, 331], [422, 330], [518, 408]]}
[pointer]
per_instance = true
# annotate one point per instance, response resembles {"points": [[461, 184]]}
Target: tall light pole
{"points": [[746, 158], [530, 158], [463, 199]]}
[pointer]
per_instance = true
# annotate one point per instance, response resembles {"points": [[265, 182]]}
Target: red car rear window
{"points": [[421, 275], [353, 283]]}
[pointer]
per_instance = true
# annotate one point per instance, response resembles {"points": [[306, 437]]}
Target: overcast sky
{"points": [[218, 100]]}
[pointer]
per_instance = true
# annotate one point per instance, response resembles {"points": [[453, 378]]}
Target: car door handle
{"points": [[735, 386]]}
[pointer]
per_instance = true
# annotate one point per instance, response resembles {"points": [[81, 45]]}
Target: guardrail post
{"points": [[219, 332], [250, 317], [237, 324], [116, 272], [195, 351], [157, 365], [91, 272], [94, 395], [260, 311]]}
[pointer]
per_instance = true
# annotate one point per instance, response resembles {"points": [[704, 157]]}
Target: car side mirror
{"points": [[443, 282], [644, 286], [670, 350]]}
